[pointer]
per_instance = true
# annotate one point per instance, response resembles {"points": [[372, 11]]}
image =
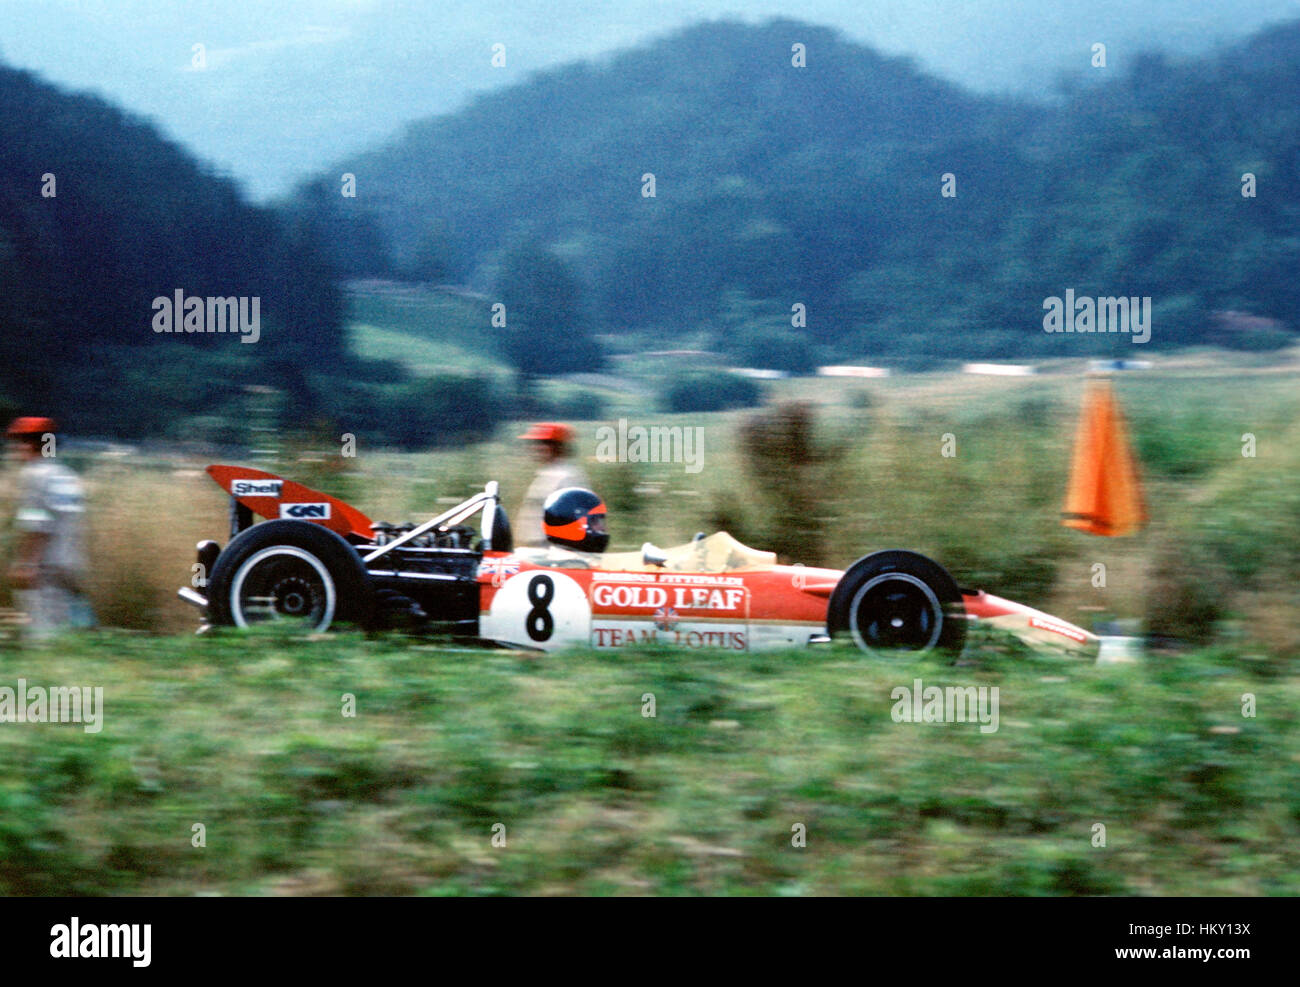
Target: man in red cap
{"points": [[551, 442], [48, 569]]}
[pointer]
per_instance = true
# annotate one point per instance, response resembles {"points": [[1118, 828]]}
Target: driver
{"points": [[573, 519]]}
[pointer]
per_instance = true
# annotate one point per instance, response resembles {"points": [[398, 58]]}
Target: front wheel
{"points": [[292, 573], [898, 601]]}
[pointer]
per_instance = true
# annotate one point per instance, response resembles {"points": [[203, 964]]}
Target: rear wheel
{"points": [[898, 601], [290, 573]]}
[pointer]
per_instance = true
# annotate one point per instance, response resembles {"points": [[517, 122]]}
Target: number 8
{"points": [[538, 621]]}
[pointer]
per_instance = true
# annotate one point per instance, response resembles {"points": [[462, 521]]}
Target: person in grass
{"points": [[48, 570], [556, 470]]}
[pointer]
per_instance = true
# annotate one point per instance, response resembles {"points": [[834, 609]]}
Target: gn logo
{"points": [[305, 512]]}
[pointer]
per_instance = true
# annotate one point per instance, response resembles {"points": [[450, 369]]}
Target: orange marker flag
{"points": [[1105, 492]]}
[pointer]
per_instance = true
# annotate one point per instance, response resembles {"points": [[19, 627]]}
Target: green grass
{"points": [[426, 330], [244, 734], [421, 312], [423, 357]]}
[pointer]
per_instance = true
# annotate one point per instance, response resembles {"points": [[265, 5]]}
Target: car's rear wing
{"points": [[257, 492]]}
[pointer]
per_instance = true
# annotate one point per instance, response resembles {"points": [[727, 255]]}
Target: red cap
{"points": [[30, 425], [548, 432]]}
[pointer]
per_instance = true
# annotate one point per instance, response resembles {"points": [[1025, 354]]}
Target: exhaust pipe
{"points": [[192, 598], [206, 552]]}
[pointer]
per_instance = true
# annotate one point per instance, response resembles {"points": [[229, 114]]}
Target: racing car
{"points": [[317, 562]]}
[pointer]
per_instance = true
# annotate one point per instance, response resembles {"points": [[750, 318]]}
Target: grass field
{"points": [[245, 736], [426, 330]]}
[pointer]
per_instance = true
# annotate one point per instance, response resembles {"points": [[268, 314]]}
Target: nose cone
{"points": [[1034, 627]]}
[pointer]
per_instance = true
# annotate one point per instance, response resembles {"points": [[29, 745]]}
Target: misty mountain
{"points": [[290, 87], [823, 186]]}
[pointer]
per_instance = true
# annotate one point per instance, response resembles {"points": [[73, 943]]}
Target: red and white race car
{"points": [[317, 561]]}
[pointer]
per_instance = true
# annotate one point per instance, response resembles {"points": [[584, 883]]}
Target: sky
{"points": [[291, 86]]}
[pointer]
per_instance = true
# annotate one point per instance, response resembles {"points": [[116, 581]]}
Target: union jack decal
{"points": [[665, 618], [498, 567]]}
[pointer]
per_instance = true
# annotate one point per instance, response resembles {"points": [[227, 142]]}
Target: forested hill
{"points": [[100, 215], [821, 185]]}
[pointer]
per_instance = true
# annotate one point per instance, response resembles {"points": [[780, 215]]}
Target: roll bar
{"points": [[487, 501]]}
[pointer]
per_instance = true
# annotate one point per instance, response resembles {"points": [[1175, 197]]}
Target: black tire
{"points": [[898, 601], [295, 570]]}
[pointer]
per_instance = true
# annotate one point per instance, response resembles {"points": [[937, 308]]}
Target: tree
{"points": [[546, 331], [433, 259]]}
